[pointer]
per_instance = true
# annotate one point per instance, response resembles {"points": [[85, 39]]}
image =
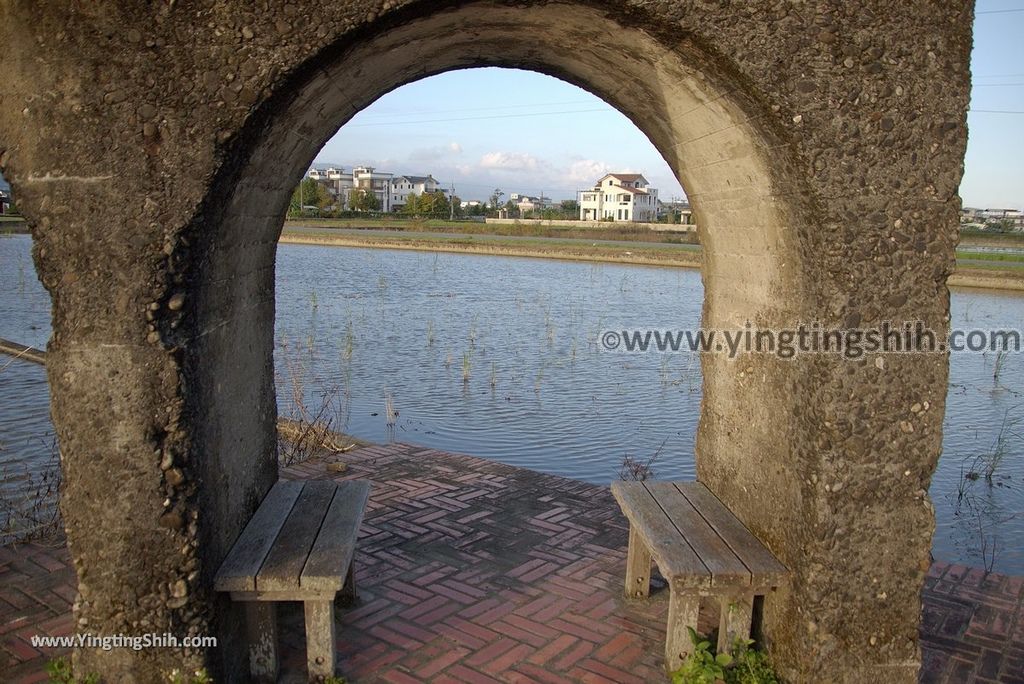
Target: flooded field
{"points": [[500, 358]]}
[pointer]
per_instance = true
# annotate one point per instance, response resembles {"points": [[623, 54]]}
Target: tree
{"points": [[456, 205], [309, 193], [512, 209], [434, 204], [363, 200], [412, 205], [570, 209], [496, 197]]}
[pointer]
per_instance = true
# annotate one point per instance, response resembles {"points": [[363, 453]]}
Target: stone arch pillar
{"points": [[821, 151]]}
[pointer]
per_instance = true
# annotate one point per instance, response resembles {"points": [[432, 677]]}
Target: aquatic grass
{"points": [[494, 375], [1007, 430], [390, 414], [638, 469], [998, 366], [430, 333], [349, 341], [313, 412], [32, 513], [465, 367]]}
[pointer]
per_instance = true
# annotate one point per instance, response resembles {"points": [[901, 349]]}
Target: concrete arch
{"points": [[822, 151], [737, 170]]}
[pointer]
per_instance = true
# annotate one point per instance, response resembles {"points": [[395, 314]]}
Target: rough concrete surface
{"points": [[153, 148]]}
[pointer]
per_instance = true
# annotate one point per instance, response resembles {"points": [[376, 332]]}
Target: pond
{"points": [[500, 357]]}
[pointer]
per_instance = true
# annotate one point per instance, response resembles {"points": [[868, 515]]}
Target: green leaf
{"points": [[723, 659]]}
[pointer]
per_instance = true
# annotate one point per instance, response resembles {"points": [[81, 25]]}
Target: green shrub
{"points": [[742, 665], [59, 670]]}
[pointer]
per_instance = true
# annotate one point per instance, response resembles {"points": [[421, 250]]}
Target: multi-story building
{"points": [[367, 179], [337, 183], [677, 211], [620, 197], [391, 191], [403, 186], [980, 218], [527, 203]]}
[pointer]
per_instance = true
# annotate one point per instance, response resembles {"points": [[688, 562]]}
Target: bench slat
{"points": [[332, 552], [763, 566], [726, 568], [674, 557], [238, 572], [284, 562]]}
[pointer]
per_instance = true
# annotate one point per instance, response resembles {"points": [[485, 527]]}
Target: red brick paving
{"points": [[473, 571]]}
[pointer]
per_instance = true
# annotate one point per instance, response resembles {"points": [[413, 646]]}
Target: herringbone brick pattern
{"points": [[473, 571]]}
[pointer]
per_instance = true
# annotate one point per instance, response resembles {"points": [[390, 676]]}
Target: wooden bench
{"points": [[299, 546], [701, 549]]}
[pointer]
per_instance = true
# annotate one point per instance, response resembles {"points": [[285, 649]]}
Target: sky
{"points": [[481, 129]]}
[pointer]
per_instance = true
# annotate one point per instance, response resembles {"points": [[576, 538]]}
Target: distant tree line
{"points": [[311, 199]]}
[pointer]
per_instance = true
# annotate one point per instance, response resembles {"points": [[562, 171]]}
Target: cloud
{"points": [[435, 154], [587, 171], [510, 161]]}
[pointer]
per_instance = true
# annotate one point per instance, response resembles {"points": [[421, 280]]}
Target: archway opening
{"points": [[713, 136], [496, 357]]}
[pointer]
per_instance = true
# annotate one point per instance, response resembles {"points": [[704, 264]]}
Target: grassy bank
{"points": [[974, 238], [12, 224], [621, 232], [541, 247], [998, 274]]}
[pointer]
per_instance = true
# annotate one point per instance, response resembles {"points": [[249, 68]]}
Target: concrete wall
{"points": [[821, 148]]}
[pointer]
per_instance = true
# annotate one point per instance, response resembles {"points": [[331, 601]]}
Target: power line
{"points": [[996, 85], [1002, 11], [993, 111], [479, 118]]}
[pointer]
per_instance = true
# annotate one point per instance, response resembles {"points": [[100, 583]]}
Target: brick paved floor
{"points": [[472, 571]]}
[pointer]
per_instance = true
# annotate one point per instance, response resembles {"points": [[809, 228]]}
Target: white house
{"points": [[369, 179], [337, 182], [527, 203], [403, 186], [620, 197], [392, 192]]}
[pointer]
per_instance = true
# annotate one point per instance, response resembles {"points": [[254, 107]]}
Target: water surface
{"points": [[499, 357]]}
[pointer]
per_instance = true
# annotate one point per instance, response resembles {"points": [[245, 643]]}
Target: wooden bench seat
{"points": [[701, 549], [298, 546]]}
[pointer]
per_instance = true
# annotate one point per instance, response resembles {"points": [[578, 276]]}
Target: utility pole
{"points": [[451, 201]]}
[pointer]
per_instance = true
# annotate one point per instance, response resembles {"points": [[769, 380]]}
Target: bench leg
{"points": [[735, 621], [638, 567], [261, 633], [320, 638], [348, 592], [683, 611]]}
